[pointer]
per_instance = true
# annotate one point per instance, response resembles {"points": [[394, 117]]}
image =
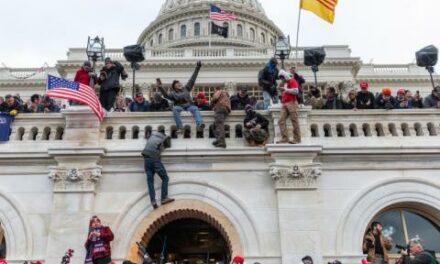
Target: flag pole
{"points": [[210, 32], [297, 34]]}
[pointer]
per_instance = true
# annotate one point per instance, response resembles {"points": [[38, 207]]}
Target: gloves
{"points": [[199, 64]]}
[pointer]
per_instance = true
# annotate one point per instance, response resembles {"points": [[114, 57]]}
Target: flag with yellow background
{"points": [[325, 9]]}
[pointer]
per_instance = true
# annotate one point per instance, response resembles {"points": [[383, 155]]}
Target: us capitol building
{"points": [[271, 205]]}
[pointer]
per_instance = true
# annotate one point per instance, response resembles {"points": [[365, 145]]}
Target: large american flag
{"points": [[74, 91], [220, 15]]}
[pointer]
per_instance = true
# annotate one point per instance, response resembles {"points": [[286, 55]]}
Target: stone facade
{"points": [[273, 204]]}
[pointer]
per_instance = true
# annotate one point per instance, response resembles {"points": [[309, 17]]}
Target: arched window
{"points": [[2, 243], [197, 29], [404, 224], [263, 38], [183, 31], [170, 34], [160, 39], [252, 34], [239, 30]]}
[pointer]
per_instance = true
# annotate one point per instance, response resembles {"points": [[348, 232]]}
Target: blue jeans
{"points": [[195, 112], [267, 98], [153, 166]]}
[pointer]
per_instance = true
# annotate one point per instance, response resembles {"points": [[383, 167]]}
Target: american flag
{"points": [[74, 91], [220, 15]]}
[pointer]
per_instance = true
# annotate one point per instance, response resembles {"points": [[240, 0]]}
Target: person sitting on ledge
{"points": [[181, 97], [256, 127]]}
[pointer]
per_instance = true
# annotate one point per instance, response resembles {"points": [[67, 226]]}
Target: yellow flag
{"points": [[325, 9]]}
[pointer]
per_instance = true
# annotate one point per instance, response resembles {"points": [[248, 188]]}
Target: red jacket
{"points": [[288, 97], [82, 76], [106, 237]]}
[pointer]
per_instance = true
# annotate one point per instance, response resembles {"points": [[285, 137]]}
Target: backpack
{"points": [[260, 78]]}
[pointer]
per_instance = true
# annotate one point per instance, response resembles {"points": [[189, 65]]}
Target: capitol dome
{"points": [[186, 23]]}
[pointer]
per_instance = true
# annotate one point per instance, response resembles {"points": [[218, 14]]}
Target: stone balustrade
{"points": [[326, 128], [79, 54]]}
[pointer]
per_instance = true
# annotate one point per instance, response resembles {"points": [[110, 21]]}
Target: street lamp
{"points": [[95, 49], [282, 49]]}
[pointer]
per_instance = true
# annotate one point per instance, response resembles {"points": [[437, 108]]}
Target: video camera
{"points": [[400, 248]]}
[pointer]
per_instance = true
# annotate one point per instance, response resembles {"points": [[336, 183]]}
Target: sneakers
{"points": [[167, 200], [155, 206]]}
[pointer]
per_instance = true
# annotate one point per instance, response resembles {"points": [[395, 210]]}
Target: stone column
{"points": [[74, 179], [296, 178]]}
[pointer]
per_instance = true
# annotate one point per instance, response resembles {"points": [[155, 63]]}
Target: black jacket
{"points": [[424, 257], [183, 97], [268, 80], [365, 100], [160, 106], [112, 74], [4, 107], [256, 119], [381, 103], [334, 103], [239, 103]]}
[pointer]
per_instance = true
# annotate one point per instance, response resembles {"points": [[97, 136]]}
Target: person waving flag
{"points": [[74, 91]]}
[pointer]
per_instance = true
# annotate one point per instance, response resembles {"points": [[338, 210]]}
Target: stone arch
{"points": [[17, 231], [368, 203], [204, 197], [185, 209]]}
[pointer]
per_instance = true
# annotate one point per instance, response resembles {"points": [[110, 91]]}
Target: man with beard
{"points": [[375, 245]]}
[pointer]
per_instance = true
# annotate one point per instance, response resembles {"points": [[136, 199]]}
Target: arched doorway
{"points": [[189, 240], [2, 243], [159, 221]]}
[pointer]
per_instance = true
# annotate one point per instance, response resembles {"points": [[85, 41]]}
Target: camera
{"points": [[400, 248]]}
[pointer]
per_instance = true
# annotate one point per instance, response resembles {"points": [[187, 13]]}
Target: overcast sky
{"points": [[385, 31]]}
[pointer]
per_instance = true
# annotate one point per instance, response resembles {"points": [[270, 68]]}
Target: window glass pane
{"points": [[425, 229], [392, 226]]}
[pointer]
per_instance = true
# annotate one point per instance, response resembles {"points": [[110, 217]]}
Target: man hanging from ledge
{"points": [[153, 164], [181, 97]]}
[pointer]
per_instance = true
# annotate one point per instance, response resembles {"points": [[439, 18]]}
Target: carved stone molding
{"points": [[74, 179], [296, 176]]}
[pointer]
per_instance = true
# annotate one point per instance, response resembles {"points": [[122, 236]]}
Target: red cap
{"points": [[363, 85], [238, 260], [401, 91], [3, 261]]}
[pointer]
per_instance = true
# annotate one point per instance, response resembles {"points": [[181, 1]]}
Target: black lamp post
{"points": [[95, 49], [282, 49]]}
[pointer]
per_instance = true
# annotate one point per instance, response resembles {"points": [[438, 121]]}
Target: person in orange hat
{"points": [[385, 100], [365, 99], [237, 260]]}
